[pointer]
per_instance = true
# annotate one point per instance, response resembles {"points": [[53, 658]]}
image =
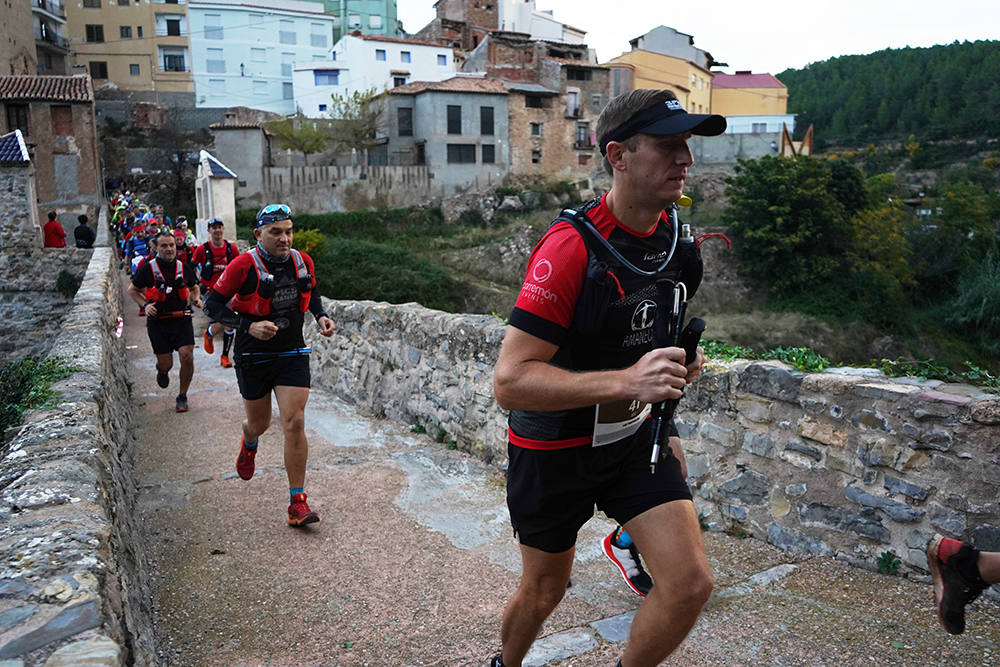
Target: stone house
{"points": [[458, 127], [215, 196], [19, 220], [56, 117], [245, 148]]}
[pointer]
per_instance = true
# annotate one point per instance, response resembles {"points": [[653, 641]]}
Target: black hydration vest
{"points": [[619, 316], [208, 268]]}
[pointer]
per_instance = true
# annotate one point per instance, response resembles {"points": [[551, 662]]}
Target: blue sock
{"points": [[291, 494], [249, 445], [623, 539]]}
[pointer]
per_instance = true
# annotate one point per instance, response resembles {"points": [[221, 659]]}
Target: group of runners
{"points": [[581, 368]]}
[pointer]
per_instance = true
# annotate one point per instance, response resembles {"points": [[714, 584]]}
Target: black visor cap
{"points": [[666, 118]]}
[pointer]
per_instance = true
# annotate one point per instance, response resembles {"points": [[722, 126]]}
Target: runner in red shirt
{"points": [[211, 259]]}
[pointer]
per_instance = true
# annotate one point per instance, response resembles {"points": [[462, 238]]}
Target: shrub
{"points": [[67, 284], [311, 241], [24, 384]]}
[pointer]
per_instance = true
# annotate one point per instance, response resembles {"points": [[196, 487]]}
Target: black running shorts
{"points": [[257, 380], [169, 334], [552, 493]]}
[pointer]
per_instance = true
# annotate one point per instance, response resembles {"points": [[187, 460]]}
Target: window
{"points": [[398, 81], [485, 120], [442, 60], [174, 27], [374, 21], [354, 21], [583, 159], [138, 31], [380, 54], [317, 35], [286, 90], [536, 156], [98, 69], [215, 61], [333, 55], [404, 119], [322, 107], [286, 32], [95, 33], [326, 77], [62, 120], [758, 128], [404, 57], [258, 55], [489, 154], [260, 88], [133, 69], [583, 135], [461, 154], [536, 129], [454, 119], [257, 21], [286, 63], [578, 74], [92, 4], [595, 102], [173, 59], [17, 118], [124, 3], [534, 101], [213, 26], [125, 31]]}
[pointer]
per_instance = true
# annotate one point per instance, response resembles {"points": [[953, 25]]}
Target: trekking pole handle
{"points": [[688, 339]]}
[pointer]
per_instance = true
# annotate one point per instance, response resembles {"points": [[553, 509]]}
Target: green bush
{"points": [[67, 284], [358, 269], [24, 384]]}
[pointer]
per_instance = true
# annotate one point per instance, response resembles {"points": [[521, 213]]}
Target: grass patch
{"points": [[26, 384]]}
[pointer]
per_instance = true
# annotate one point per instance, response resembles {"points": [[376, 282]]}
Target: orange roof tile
{"points": [[457, 84], [75, 88], [745, 80]]}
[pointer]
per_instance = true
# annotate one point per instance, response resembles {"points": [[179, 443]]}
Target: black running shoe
{"points": [[497, 661], [952, 590], [628, 563], [162, 379], [182, 403]]}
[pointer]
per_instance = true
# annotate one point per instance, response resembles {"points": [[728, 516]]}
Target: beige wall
{"points": [[691, 83], [17, 38], [749, 101]]}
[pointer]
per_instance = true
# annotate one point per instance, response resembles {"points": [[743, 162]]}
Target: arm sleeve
{"points": [[315, 300]]}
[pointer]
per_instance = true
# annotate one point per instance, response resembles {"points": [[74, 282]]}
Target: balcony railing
{"points": [[583, 145], [52, 38], [54, 8]]}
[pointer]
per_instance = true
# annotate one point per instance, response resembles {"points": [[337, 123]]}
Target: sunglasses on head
{"points": [[273, 213]]}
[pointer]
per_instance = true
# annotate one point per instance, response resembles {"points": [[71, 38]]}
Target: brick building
{"points": [[56, 116], [461, 24]]}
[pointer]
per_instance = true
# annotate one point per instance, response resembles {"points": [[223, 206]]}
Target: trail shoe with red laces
{"points": [[224, 361], [207, 342], [957, 581], [244, 462], [299, 513], [626, 559]]}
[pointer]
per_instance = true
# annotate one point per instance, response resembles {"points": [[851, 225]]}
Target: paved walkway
{"points": [[413, 560]]}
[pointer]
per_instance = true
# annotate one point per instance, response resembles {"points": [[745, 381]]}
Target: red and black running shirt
{"points": [[547, 307]]}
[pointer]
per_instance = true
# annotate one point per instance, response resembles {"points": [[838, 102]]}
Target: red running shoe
{"points": [[299, 513], [208, 343], [952, 591], [224, 361], [244, 462]]}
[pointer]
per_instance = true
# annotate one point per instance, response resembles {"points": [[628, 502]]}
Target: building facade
{"points": [[670, 42], [51, 45], [17, 51], [363, 62], [523, 16], [370, 17], [748, 94], [140, 49], [55, 114], [458, 128], [244, 50], [690, 82]]}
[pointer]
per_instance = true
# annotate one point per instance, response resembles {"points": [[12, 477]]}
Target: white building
{"points": [[522, 16], [243, 51], [363, 62]]}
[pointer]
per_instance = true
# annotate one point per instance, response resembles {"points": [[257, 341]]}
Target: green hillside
{"points": [[941, 92]]}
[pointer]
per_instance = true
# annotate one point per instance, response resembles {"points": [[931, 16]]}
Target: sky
{"points": [[767, 35]]}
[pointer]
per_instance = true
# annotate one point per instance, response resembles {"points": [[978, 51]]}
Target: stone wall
{"points": [[71, 588], [845, 462]]}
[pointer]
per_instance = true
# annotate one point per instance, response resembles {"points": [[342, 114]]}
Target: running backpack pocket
{"points": [[600, 288]]}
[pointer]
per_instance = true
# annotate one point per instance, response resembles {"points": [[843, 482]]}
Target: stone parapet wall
{"points": [[71, 585], [846, 462], [26, 269]]}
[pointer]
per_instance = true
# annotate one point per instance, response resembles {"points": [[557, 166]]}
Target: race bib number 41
{"points": [[618, 420]]}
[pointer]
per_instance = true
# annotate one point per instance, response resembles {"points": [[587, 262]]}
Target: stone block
{"points": [[96, 652], [736, 512], [871, 420], [805, 450], [72, 620], [917, 557], [917, 539], [828, 382], [986, 537], [897, 485], [790, 539], [987, 412], [821, 432], [559, 646], [817, 406], [885, 391], [759, 444], [866, 523], [697, 464], [720, 434], [749, 487], [772, 380], [947, 520], [754, 409], [942, 397], [876, 451], [686, 430], [616, 628], [779, 505], [896, 511], [795, 490]]}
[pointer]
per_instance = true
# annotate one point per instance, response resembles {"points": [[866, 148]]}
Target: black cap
{"points": [[663, 118], [215, 221]]}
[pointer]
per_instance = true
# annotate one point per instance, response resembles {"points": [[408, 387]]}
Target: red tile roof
{"points": [[458, 84], [746, 80], [399, 40], [75, 88]]}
